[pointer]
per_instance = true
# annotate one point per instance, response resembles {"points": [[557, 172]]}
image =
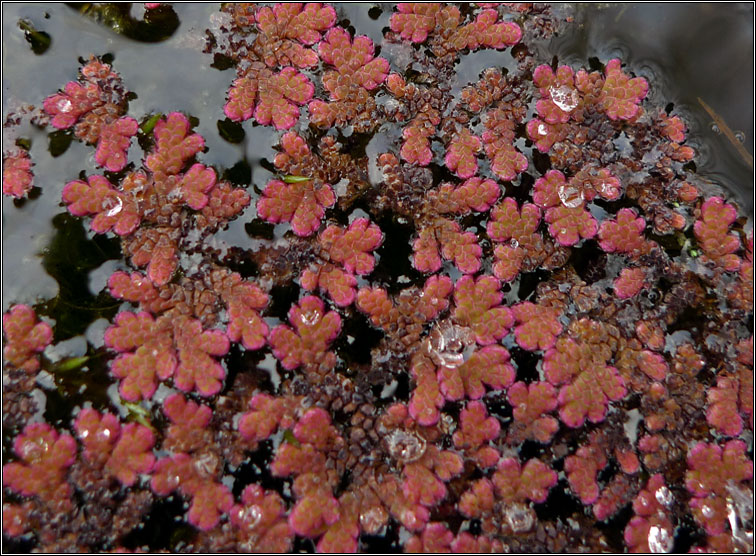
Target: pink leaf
{"points": [[711, 469], [629, 283], [75, 100], [25, 336], [280, 96], [340, 285], [722, 412], [313, 331], [241, 99], [352, 247], [132, 454], [460, 156], [712, 232], [529, 404], [487, 33], [245, 301], [477, 305], [623, 235], [546, 189], [196, 184], [210, 500], [312, 515], [354, 61], [112, 208], [44, 458], [508, 222], [508, 262], [539, 326], [489, 365], [589, 394], [530, 482], [146, 354], [620, 94], [197, 370], [113, 144], [567, 225], [17, 175], [426, 398], [416, 147], [174, 145], [303, 204], [414, 21], [581, 469], [98, 433], [476, 427]]}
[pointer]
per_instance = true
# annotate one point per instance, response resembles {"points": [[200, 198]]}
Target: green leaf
{"points": [[149, 124], [295, 179], [289, 438], [71, 363], [138, 413]]}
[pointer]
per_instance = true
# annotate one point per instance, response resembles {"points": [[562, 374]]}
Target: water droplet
{"points": [[513, 243], [84, 433], [608, 189], [566, 98], [664, 496], [250, 517], [519, 517], [542, 129], [310, 318], [373, 519], [447, 345], [571, 196], [715, 128], [115, 209], [707, 511], [405, 446], [103, 435], [206, 464], [64, 105], [659, 540], [740, 136]]}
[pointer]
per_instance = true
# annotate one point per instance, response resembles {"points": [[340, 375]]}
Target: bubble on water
{"points": [[250, 516], [373, 519], [103, 434], [519, 517], [115, 209], [664, 496], [64, 105], [740, 515], [608, 189], [310, 318], [660, 541], [405, 446], [206, 464], [447, 345], [566, 98], [571, 196], [33, 449]]}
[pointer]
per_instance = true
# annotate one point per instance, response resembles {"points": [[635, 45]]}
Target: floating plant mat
{"points": [[368, 278]]}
